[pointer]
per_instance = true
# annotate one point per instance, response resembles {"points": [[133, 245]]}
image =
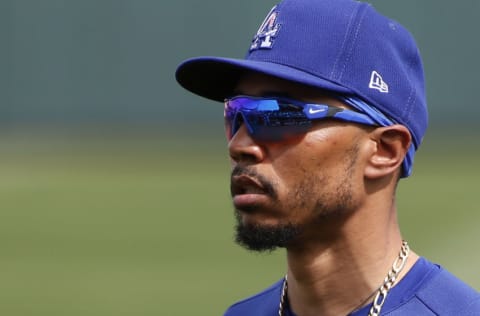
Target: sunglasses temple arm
{"points": [[356, 117]]}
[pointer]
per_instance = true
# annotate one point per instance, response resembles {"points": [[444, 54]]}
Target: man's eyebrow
{"points": [[277, 94]]}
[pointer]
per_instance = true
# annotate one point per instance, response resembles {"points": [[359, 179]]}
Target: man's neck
{"points": [[335, 277]]}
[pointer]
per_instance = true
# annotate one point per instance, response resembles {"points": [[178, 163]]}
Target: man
{"points": [[323, 117]]}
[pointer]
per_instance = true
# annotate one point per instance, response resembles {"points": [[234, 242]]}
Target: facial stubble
{"points": [[323, 206]]}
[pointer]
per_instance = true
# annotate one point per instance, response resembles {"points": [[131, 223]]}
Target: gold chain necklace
{"points": [[382, 292]]}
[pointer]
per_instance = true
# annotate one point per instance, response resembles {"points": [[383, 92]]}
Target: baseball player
{"points": [[323, 118]]}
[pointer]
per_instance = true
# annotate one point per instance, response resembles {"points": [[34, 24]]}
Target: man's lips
{"points": [[245, 185], [247, 191]]}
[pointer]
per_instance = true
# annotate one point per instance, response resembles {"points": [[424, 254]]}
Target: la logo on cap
{"points": [[267, 32]]}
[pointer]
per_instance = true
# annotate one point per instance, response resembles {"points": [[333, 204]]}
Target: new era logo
{"points": [[377, 83]]}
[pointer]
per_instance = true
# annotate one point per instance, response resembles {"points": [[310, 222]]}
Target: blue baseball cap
{"points": [[342, 46]]}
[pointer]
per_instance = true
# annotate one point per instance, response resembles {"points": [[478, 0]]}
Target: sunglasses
{"points": [[275, 119]]}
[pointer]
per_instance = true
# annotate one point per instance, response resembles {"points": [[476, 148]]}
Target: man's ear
{"points": [[391, 146]]}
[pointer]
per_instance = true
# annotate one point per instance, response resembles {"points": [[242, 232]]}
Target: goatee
{"points": [[263, 238]]}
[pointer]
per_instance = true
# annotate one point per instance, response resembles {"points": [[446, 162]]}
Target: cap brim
{"points": [[215, 78]]}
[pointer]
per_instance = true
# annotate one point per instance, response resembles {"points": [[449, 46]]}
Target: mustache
{"points": [[266, 184]]}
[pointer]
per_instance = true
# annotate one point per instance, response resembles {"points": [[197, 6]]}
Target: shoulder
{"points": [[435, 291], [445, 294], [261, 304]]}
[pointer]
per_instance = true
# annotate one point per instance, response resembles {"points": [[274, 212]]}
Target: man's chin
{"points": [[265, 238]]}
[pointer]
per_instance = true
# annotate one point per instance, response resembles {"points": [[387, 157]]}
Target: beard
{"points": [[264, 238], [333, 204]]}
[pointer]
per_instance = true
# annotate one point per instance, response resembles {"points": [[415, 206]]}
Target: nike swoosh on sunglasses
{"points": [[275, 119]]}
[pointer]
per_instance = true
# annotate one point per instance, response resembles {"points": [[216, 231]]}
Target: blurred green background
{"points": [[114, 181]]}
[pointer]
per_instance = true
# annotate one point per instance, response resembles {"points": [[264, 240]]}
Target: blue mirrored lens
{"points": [[265, 119]]}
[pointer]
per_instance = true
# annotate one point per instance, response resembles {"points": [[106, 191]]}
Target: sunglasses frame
{"points": [[268, 118]]}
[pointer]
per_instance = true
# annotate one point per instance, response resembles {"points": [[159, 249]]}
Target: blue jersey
{"points": [[426, 290]]}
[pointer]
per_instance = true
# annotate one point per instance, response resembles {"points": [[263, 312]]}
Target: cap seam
{"points": [[344, 43], [354, 40], [410, 101]]}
